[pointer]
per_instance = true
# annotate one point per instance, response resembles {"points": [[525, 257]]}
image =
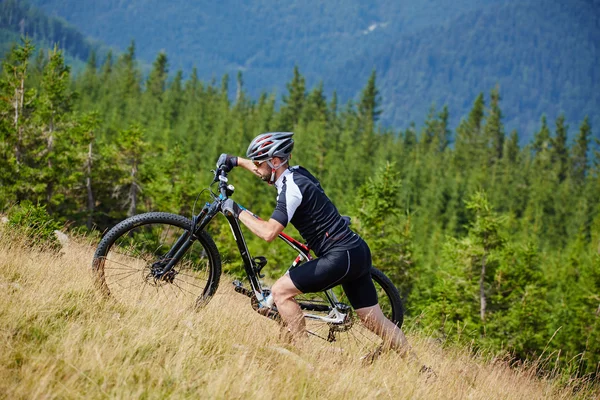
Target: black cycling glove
{"points": [[227, 162], [231, 207]]}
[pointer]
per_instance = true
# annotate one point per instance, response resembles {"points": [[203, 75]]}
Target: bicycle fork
{"points": [[184, 242]]}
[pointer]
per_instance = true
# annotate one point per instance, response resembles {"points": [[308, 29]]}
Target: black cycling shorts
{"points": [[350, 268]]}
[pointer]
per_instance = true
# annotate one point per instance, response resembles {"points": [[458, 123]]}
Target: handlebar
{"points": [[225, 190]]}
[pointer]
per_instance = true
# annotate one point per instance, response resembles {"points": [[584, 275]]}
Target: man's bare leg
{"points": [[392, 336], [283, 292]]}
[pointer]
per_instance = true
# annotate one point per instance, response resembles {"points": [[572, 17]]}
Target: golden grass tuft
{"points": [[60, 339]]}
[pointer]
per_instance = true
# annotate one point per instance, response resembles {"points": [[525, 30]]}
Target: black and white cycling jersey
{"points": [[302, 202]]}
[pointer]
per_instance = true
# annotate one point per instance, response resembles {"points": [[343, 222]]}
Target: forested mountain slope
{"points": [[543, 56], [544, 60], [266, 35], [18, 18]]}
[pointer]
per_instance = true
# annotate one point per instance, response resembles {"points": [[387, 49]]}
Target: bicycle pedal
{"points": [[269, 313], [239, 288]]}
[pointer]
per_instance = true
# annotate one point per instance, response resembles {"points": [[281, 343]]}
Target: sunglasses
{"points": [[258, 163]]}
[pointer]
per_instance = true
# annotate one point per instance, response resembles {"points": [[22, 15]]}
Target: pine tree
{"points": [[157, 79], [560, 151], [88, 84], [486, 237], [436, 133], [89, 125], [381, 223], [54, 105], [476, 114], [132, 148], [15, 112], [494, 129], [293, 102], [153, 98], [174, 101], [370, 101], [469, 140], [333, 105], [239, 90], [579, 153], [541, 140], [541, 205], [443, 134]]}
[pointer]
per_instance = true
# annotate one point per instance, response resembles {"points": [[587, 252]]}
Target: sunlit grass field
{"points": [[60, 339]]}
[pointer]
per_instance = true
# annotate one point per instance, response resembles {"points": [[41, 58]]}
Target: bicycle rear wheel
{"points": [[351, 336], [130, 254]]}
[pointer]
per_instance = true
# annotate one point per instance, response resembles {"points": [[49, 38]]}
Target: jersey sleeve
{"points": [[288, 201]]}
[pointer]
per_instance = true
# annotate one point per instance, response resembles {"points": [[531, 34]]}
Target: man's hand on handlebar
{"points": [[227, 162], [232, 208]]}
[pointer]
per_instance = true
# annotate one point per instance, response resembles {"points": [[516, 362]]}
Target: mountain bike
{"points": [[163, 257]]}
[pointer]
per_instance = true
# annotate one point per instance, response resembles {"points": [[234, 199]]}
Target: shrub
{"points": [[35, 223]]}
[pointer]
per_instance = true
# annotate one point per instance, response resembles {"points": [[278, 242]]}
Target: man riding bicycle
{"points": [[343, 256]]}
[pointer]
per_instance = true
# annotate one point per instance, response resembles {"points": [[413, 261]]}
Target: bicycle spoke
{"points": [[191, 276], [188, 283], [128, 287], [124, 269], [127, 272], [119, 263], [174, 291], [351, 332], [183, 290]]}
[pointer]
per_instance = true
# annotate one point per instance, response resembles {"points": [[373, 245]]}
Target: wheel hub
{"points": [[154, 276]]}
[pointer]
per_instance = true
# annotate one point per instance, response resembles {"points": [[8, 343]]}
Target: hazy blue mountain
{"points": [[19, 18], [542, 54], [544, 59]]}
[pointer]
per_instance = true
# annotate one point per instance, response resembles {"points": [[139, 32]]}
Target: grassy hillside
{"points": [[60, 340]]}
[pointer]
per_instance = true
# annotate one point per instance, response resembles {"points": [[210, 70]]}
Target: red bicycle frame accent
{"points": [[289, 240]]}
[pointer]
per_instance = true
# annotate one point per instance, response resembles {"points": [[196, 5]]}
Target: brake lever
{"points": [[217, 173]]}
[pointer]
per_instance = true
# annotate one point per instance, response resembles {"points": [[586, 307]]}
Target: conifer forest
{"points": [[494, 243]]}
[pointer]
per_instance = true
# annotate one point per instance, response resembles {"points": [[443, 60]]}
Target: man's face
{"points": [[262, 170]]}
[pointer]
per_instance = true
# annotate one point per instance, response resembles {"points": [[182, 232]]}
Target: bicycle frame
{"points": [[209, 211], [200, 221], [303, 255]]}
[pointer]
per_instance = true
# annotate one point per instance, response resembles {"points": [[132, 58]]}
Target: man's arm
{"points": [[267, 230], [247, 164]]}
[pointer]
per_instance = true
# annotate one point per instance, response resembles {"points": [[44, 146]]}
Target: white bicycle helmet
{"points": [[271, 144]]}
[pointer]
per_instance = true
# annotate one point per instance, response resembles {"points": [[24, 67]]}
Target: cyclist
{"points": [[343, 256]]}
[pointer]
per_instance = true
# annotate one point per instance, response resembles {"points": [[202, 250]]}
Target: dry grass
{"points": [[59, 339]]}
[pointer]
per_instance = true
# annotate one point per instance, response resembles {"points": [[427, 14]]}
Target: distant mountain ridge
{"points": [[21, 19], [434, 51], [545, 60]]}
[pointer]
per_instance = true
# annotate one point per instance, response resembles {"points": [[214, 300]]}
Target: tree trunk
{"points": [[133, 191], [88, 186], [49, 148], [19, 102], [482, 299]]}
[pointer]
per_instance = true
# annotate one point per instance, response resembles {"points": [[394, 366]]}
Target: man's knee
{"points": [[284, 289]]}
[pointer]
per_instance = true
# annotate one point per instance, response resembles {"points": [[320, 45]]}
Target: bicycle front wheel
{"points": [[129, 256]]}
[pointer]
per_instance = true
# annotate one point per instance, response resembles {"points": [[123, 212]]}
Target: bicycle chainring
{"points": [[343, 326]]}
